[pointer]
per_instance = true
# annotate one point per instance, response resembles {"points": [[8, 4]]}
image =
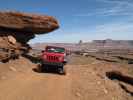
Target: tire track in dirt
{"points": [[36, 86], [82, 82]]}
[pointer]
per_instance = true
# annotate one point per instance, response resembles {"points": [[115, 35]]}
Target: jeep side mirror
{"points": [[43, 51]]}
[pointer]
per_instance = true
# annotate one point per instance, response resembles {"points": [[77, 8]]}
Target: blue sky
{"points": [[81, 19]]}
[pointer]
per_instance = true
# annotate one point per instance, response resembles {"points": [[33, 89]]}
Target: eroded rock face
{"points": [[16, 29], [28, 23]]}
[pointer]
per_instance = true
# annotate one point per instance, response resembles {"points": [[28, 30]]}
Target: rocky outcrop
{"points": [[16, 29]]}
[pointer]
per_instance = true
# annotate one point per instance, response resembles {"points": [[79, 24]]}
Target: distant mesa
{"points": [[94, 45]]}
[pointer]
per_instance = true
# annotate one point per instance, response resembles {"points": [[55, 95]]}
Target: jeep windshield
{"points": [[55, 49]]}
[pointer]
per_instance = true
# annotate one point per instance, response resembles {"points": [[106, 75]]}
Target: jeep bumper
{"points": [[53, 63]]}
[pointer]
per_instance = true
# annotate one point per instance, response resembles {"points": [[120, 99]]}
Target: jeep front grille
{"points": [[52, 58]]}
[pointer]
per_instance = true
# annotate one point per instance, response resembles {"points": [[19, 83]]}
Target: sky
{"points": [[80, 19]]}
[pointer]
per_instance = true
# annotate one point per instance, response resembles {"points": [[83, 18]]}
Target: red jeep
{"points": [[54, 57]]}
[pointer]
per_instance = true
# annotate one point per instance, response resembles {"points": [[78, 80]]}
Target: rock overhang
{"points": [[16, 29]]}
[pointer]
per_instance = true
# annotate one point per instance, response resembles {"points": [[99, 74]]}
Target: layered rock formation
{"points": [[16, 29]]}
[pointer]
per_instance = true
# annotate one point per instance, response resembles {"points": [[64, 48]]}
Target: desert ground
{"points": [[85, 79]]}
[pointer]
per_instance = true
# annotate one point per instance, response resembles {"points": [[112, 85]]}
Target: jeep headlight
{"points": [[65, 58], [61, 58], [45, 56]]}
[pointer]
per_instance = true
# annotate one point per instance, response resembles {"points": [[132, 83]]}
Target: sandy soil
{"points": [[83, 81]]}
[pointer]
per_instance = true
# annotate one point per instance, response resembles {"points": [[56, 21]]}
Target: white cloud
{"points": [[119, 7], [114, 28], [113, 8]]}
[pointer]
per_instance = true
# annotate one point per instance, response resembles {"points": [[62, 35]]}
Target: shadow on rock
{"points": [[33, 59]]}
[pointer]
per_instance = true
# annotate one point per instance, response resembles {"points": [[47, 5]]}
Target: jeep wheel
{"points": [[5, 60], [39, 69], [61, 71]]}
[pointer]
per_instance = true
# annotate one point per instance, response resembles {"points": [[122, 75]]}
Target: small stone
{"points": [[11, 39], [78, 94], [68, 74], [98, 82], [93, 73], [105, 91], [13, 69]]}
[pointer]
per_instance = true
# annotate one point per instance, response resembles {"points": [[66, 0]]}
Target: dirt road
{"points": [[82, 82], [35, 86]]}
